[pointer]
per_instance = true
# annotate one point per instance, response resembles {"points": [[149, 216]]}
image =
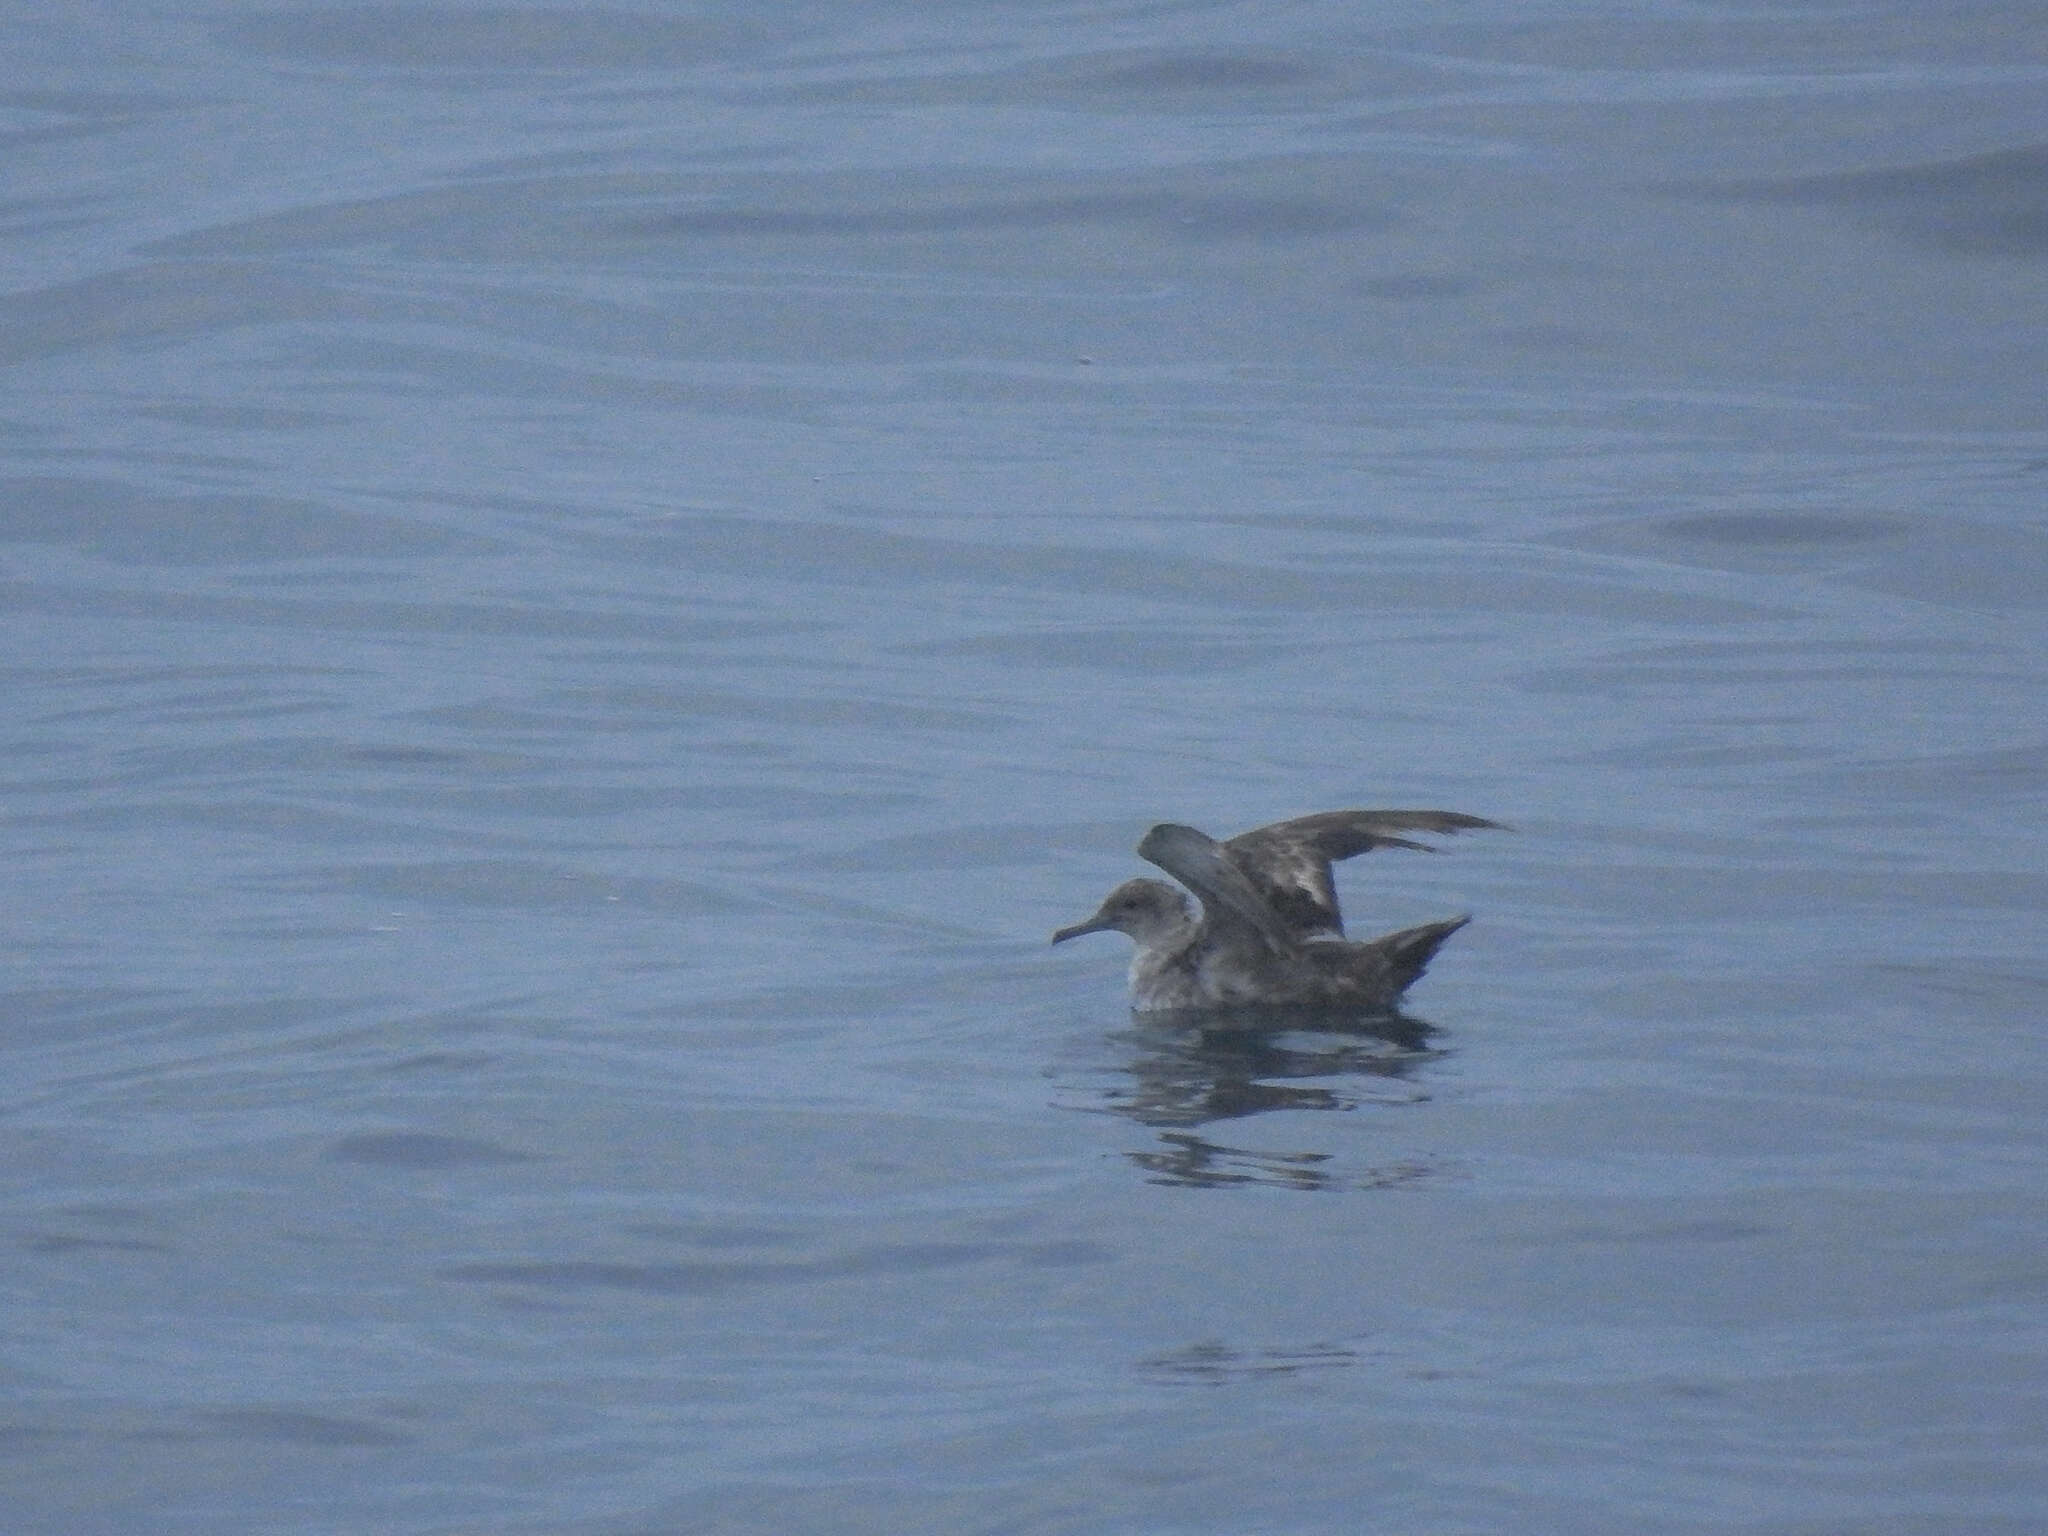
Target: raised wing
{"points": [[1234, 911], [1288, 863]]}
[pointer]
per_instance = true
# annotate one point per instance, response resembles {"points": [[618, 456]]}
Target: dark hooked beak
{"points": [[1094, 924]]}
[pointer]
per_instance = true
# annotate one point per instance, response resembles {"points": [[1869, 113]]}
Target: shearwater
{"points": [[1268, 932]]}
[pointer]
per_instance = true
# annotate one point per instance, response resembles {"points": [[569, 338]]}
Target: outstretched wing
{"points": [[1234, 911], [1288, 863]]}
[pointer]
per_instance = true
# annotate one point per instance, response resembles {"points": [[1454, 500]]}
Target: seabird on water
{"points": [[1268, 932]]}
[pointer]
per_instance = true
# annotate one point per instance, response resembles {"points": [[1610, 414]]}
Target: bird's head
{"points": [[1144, 909]]}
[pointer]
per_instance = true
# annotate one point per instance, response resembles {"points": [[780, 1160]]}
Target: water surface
{"points": [[584, 587]]}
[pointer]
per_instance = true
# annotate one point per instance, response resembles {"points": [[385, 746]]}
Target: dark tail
{"points": [[1410, 951]]}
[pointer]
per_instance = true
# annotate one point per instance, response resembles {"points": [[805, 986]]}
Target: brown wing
{"points": [[1288, 863], [1234, 911]]}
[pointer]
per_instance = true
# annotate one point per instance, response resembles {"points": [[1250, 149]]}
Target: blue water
{"points": [[583, 588]]}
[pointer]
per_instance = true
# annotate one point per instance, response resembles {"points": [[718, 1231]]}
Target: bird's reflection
{"points": [[1184, 1074]]}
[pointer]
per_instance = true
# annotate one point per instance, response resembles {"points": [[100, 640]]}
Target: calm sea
{"points": [[583, 587]]}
